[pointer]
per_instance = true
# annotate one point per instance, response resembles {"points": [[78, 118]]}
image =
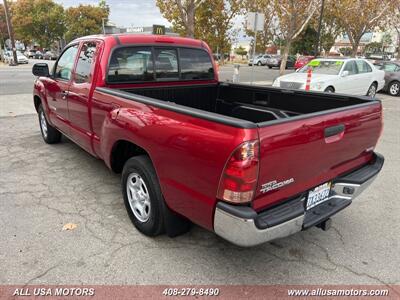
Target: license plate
{"points": [[318, 195]]}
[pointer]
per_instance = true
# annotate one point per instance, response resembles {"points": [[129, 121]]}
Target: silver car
{"points": [[260, 60]]}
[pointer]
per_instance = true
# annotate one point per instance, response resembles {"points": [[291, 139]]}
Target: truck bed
{"points": [[250, 103]]}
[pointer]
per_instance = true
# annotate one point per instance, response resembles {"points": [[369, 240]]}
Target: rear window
{"points": [[130, 64], [143, 64], [195, 64]]}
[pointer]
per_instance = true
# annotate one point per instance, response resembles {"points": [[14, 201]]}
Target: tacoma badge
{"points": [[272, 185]]}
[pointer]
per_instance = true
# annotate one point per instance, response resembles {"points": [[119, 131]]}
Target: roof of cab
{"points": [[127, 38]]}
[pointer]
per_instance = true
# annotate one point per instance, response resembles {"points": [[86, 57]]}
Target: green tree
{"points": [[346, 51], [214, 22], [41, 21], [331, 27], [360, 16], [3, 27], [294, 16], [181, 13], [374, 47], [241, 51], [305, 43], [85, 20]]}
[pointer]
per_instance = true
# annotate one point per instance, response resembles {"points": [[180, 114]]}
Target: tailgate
{"points": [[298, 155]]}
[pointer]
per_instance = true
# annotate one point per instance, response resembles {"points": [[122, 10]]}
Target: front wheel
{"points": [[394, 88], [259, 63], [49, 134], [372, 90]]}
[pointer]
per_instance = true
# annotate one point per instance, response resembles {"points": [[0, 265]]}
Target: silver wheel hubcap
{"points": [[372, 91], [138, 197], [43, 124], [394, 89]]}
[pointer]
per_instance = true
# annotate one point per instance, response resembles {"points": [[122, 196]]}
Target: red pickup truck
{"points": [[250, 163]]}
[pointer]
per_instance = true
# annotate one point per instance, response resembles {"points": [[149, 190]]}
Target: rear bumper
{"points": [[243, 226]]}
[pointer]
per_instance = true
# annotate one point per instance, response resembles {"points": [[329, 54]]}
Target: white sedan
{"points": [[347, 76]]}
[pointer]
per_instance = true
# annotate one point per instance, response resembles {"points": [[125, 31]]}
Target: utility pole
{"points": [[10, 33], [317, 44]]}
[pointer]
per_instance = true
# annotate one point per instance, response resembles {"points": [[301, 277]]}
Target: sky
{"points": [[127, 13]]}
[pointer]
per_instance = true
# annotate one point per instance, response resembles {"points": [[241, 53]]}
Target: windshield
{"points": [[328, 67]]}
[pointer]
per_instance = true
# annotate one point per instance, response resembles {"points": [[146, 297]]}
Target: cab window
{"points": [[195, 64], [166, 63], [131, 64], [65, 64]]}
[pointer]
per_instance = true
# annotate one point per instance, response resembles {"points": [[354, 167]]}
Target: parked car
{"points": [[30, 53], [38, 55], [252, 164], [347, 76], [301, 61], [260, 60], [21, 59], [392, 77], [275, 61], [49, 55]]}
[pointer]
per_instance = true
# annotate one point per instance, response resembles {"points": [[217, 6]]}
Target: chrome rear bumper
{"points": [[243, 226]]}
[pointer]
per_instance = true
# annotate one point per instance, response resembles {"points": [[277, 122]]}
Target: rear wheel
{"points": [[142, 195], [372, 90], [394, 88], [269, 67], [329, 89], [259, 63], [49, 134]]}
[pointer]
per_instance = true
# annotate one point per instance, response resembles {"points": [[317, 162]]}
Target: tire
{"points": [[269, 67], [259, 63], [49, 134], [329, 89], [372, 90], [394, 88], [142, 195]]}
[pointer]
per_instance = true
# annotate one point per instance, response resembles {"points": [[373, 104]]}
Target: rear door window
{"points": [[83, 72], [351, 67], [195, 64], [166, 63], [363, 67]]}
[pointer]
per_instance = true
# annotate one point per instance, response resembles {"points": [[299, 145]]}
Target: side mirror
{"points": [[41, 69], [345, 73]]}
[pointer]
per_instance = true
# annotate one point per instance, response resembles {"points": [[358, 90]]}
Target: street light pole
{"points": [[10, 33], [317, 44], [102, 22]]}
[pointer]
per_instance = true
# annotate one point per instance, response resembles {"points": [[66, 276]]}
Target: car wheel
{"points": [[394, 88], [49, 133], [142, 195], [269, 67], [372, 90], [329, 89], [259, 63]]}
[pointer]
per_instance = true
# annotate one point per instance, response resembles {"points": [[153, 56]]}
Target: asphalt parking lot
{"points": [[43, 187]]}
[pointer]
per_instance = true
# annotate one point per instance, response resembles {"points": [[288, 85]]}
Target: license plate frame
{"points": [[318, 195]]}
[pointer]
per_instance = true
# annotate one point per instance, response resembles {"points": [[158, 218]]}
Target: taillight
{"points": [[239, 178]]}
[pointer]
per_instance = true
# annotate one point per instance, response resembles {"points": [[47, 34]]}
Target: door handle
{"points": [[64, 94], [334, 133]]}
